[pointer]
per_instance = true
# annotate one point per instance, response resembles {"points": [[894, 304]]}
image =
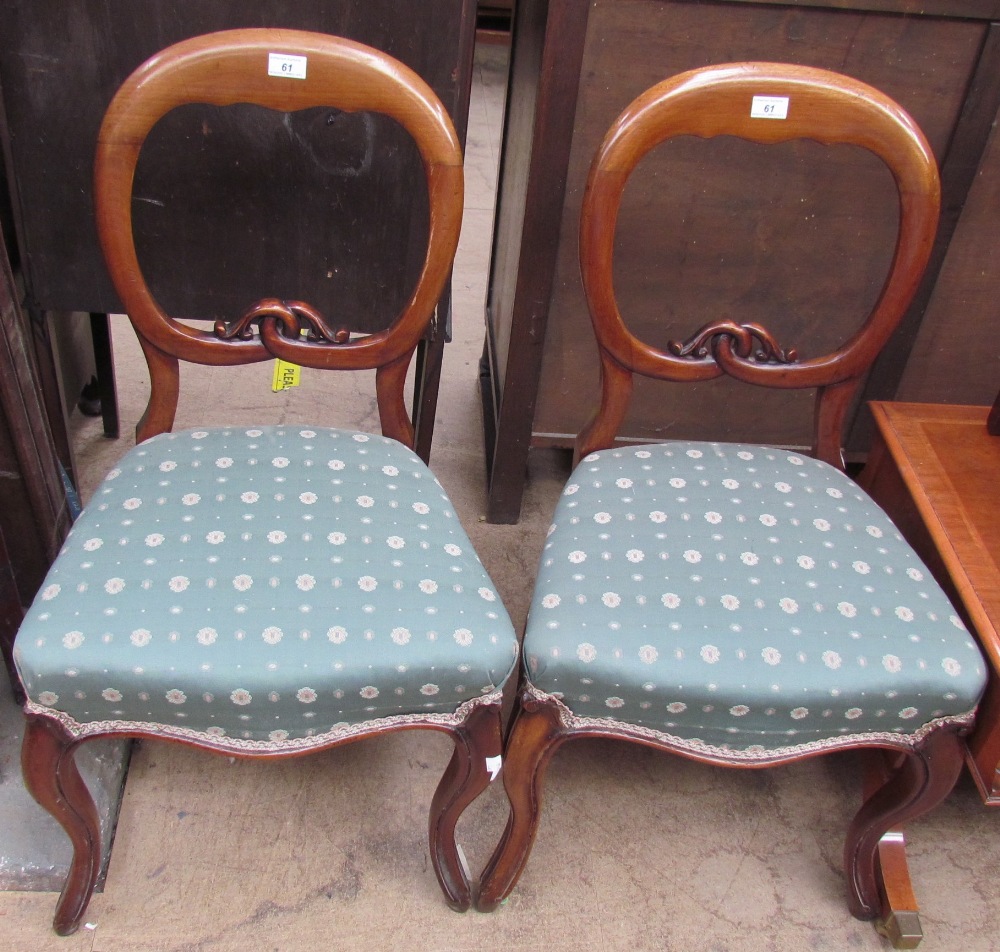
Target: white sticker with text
{"points": [[286, 64], [769, 107]]}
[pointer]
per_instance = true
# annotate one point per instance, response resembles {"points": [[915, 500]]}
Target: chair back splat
{"points": [[232, 67], [733, 603], [718, 101], [267, 591]]}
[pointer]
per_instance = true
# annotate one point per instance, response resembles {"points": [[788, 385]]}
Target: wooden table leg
{"points": [[899, 917], [100, 330], [984, 743], [899, 920]]}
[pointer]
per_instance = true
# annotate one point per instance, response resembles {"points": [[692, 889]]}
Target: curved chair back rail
{"points": [[233, 67], [733, 603], [283, 588], [822, 106]]}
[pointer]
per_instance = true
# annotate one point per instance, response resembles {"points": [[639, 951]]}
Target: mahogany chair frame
{"points": [[222, 69], [920, 770]]}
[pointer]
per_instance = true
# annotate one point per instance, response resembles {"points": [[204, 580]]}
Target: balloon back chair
{"points": [[266, 591], [738, 604]]}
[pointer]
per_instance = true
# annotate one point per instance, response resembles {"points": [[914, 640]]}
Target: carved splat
{"points": [[293, 316], [748, 341]]}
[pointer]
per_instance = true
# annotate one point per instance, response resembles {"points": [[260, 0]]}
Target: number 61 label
{"points": [[286, 64], [769, 107]]}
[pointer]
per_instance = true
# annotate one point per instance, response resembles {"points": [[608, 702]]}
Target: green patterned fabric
{"points": [[268, 585], [743, 598]]}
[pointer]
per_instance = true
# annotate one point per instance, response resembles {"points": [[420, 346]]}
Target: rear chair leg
{"points": [[52, 778]]}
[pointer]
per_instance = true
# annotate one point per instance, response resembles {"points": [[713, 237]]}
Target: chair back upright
{"points": [[732, 100], [245, 66]]}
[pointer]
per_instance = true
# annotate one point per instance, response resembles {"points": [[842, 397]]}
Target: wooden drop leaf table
{"points": [[934, 469]]}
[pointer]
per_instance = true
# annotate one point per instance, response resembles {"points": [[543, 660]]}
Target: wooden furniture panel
{"points": [[708, 229], [965, 306], [933, 469], [60, 62], [34, 514], [493, 22]]}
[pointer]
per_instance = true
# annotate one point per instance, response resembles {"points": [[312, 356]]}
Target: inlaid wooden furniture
{"points": [[934, 469], [733, 603], [575, 65], [276, 590]]}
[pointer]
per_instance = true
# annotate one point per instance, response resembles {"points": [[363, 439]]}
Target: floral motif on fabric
{"points": [[265, 586], [743, 598]]}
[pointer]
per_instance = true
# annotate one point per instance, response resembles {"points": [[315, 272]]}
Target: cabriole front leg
{"points": [[874, 852], [534, 736], [468, 774], [52, 778]]}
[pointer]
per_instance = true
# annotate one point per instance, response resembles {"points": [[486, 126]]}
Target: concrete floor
{"points": [[637, 850]]}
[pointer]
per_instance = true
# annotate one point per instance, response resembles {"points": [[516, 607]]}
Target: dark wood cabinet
{"points": [[233, 204], [34, 512], [723, 229]]}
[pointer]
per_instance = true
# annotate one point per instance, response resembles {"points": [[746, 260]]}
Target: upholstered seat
{"points": [[264, 588], [739, 597]]}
